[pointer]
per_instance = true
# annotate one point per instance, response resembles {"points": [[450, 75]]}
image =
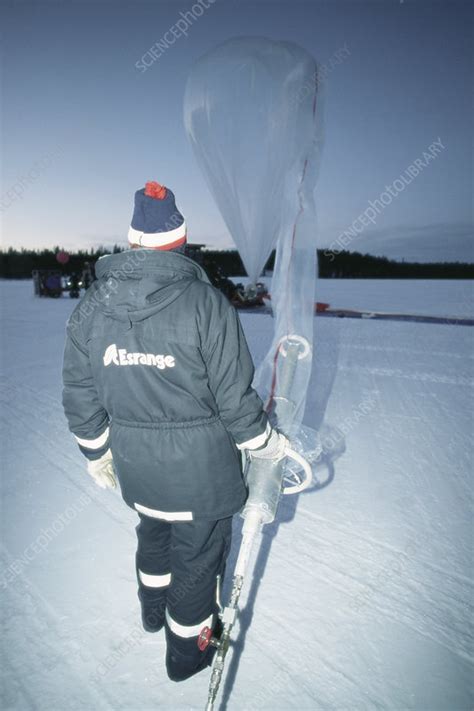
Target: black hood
{"points": [[137, 283]]}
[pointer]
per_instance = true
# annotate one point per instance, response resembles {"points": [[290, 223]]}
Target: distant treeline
{"points": [[18, 264], [353, 265]]}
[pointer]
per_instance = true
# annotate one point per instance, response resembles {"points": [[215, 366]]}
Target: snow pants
{"points": [[180, 565]]}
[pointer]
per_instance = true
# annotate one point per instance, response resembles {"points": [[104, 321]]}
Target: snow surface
{"points": [[448, 297], [362, 594]]}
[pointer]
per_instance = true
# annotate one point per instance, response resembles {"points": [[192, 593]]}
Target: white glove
{"points": [[274, 447], [102, 471]]}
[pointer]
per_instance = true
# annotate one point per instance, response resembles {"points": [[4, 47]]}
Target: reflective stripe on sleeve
{"points": [[154, 581], [96, 443], [187, 631], [257, 441]]}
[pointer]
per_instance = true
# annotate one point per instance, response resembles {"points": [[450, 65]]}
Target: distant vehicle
{"points": [[249, 297], [47, 282]]}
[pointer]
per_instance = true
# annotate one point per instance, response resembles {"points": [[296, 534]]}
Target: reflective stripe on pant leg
{"points": [[187, 631], [153, 564], [154, 581], [153, 570]]}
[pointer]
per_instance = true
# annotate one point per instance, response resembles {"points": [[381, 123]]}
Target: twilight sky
{"points": [[83, 127]]}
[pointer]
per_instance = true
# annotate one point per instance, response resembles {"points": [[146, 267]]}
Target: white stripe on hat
{"points": [[96, 443], [187, 631], [154, 581], [165, 515], [156, 239]]}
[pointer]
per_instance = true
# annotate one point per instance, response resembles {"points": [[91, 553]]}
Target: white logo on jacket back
{"points": [[120, 356]]}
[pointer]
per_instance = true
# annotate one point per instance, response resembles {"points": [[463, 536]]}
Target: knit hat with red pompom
{"points": [[156, 222]]}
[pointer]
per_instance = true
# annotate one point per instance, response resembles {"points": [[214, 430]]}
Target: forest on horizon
{"points": [[19, 264]]}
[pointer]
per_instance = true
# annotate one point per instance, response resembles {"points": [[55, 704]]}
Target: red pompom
{"points": [[155, 190]]}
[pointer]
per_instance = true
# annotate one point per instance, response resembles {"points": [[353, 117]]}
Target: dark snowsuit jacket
{"points": [[156, 366]]}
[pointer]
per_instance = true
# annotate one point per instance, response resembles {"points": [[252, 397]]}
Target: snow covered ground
{"points": [[449, 298], [362, 594]]}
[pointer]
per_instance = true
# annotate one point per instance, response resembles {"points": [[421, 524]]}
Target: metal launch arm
{"points": [[265, 484]]}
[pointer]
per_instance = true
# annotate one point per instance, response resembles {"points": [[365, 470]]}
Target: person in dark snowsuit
{"points": [[157, 391], [87, 275], [74, 288]]}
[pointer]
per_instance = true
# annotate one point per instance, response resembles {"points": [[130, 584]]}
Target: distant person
{"points": [[87, 275], [42, 284], [157, 391], [74, 288]]}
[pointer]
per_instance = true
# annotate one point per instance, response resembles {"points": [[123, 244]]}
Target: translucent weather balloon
{"points": [[250, 113]]}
